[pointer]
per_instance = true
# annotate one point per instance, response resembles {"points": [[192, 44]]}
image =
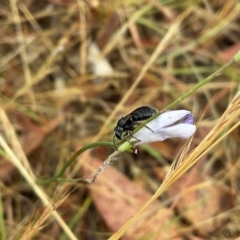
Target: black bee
{"points": [[127, 124]]}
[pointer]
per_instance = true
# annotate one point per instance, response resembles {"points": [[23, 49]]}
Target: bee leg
{"points": [[133, 142], [136, 124], [149, 128], [126, 138], [130, 133]]}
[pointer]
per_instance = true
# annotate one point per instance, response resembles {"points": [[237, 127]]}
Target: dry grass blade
{"points": [[43, 70], [19, 159], [15, 144], [82, 30], [180, 158], [27, 72], [31, 230], [230, 119]]}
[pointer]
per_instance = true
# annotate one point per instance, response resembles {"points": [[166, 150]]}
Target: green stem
{"points": [[80, 151]]}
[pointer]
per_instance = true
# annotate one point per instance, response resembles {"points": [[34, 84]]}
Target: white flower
{"points": [[170, 124]]}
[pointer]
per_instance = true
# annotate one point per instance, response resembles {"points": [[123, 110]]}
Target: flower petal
{"points": [[182, 130], [167, 118], [170, 124]]}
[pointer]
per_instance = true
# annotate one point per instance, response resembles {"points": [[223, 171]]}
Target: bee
{"points": [[127, 124]]}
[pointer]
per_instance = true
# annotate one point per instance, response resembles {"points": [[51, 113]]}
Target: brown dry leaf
{"points": [[35, 137], [6, 169], [229, 52], [167, 150], [199, 202], [32, 139], [117, 199], [111, 24]]}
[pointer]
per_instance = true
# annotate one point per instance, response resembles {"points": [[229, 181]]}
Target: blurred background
{"points": [[69, 69]]}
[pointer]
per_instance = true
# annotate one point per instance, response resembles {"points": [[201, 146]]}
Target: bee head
{"points": [[118, 131]]}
